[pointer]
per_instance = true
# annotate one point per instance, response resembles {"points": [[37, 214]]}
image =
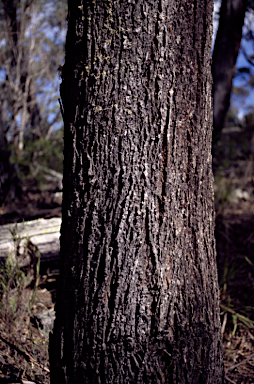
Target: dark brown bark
{"points": [[138, 295], [225, 53]]}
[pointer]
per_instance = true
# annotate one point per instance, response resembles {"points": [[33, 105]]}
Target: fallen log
{"points": [[44, 233]]}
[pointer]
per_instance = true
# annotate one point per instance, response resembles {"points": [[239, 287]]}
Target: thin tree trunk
{"points": [[225, 53], [9, 182], [138, 294]]}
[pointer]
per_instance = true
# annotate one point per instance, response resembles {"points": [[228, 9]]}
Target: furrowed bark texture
{"points": [[138, 295]]}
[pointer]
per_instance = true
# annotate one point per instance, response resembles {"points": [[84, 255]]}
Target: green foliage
{"points": [[12, 282], [46, 152], [38, 153]]}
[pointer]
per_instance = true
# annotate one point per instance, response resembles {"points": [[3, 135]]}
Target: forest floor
{"points": [[24, 338], [235, 257]]}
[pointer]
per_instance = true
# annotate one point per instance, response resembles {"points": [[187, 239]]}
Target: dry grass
{"points": [[23, 344]]}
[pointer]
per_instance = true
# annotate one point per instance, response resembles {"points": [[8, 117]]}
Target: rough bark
{"points": [[138, 294], [225, 53]]}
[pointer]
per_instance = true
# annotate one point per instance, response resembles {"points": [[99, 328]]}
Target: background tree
{"points": [[234, 36], [138, 294], [226, 48], [31, 49]]}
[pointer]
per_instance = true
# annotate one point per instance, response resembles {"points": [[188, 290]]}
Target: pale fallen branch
{"points": [[241, 362], [229, 380], [44, 233]]}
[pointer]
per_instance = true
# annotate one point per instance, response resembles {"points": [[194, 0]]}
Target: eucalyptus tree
{"points": [[138, 298]]}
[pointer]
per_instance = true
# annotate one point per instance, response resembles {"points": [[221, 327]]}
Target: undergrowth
{"points": [[23, 347]]}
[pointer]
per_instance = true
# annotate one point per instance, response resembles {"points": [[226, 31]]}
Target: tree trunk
{"points": [[225, 53], [138, 294], [19, 71], [9, 182]]}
